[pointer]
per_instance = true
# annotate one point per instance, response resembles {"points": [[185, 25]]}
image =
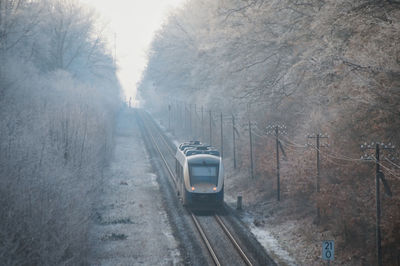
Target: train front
{"points": [[206, 181]]}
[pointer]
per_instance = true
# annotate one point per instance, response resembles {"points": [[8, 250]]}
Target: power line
{"points": [[293, 144], [392, 163], [259, 135], [386, 168], [343, 157], [330, 154]]}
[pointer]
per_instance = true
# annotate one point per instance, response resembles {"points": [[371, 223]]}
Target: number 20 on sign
{"points": [[328, 250]]}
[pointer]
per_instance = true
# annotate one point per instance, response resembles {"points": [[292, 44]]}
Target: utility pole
{"points": [[234, 141], [179, 124], [195, 123], [222, 137], [318, 138], [176, 118], [186, 126], [169, 116], [379, 176], [251, 152], [182, 117], [210, 128], [276, 130], [202, 124], [190, 121]]}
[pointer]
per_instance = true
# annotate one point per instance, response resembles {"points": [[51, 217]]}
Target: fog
{"points": [[297, 93], [130, 28], [58, 98]]}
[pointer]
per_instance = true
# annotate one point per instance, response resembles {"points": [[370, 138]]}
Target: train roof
{"points": [[190, 144], [195, 147]]}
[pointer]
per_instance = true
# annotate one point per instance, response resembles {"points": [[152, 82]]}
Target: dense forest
{"points": [[320, 67], [58, 98]]}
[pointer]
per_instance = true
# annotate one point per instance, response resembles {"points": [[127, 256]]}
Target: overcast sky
{"points": [[134, 22]]}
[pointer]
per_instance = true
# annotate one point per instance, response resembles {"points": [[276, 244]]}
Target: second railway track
{"points": [[223, 247]]}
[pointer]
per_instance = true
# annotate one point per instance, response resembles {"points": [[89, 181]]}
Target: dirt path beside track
{"points": [[131, 226]]}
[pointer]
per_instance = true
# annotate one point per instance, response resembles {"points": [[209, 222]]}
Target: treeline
{"points": [[58, 98], [330, 67]]}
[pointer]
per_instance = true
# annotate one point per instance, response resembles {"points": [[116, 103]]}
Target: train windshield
{"points": [[204, 174]]}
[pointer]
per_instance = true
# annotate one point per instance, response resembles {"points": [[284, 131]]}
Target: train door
{"points": [[179, 178]]}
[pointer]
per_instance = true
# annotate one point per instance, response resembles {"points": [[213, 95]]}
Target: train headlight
{"points": [[215, 188], [192, 188]]}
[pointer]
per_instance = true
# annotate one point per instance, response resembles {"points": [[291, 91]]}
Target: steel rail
{"points": [[205, 239], [162, 156], [196, 222], [234, 242], [161, 135]]}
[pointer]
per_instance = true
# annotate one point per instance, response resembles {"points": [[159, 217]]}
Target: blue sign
{"points": [[328, 250]]}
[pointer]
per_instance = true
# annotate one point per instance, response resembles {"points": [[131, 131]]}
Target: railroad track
{"points": [[166, 151]]}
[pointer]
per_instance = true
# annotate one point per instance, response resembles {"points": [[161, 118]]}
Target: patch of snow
{"points": [[266, 239], [153, 179]]}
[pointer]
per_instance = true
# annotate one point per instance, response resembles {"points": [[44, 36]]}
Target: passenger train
{"points": [[200, 176]]}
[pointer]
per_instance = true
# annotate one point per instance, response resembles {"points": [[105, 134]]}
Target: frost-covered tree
{"points": [[317, 66], [58, 98]]}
